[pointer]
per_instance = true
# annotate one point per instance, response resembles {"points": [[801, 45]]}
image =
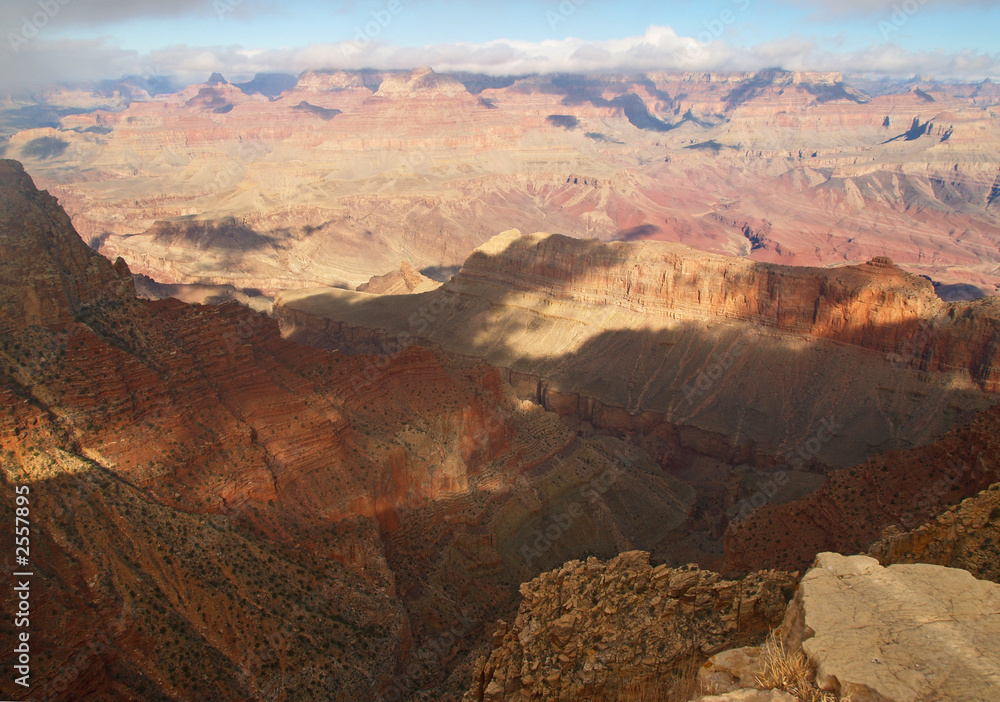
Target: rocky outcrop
{"points": [[853, 630], [590, 629], [966, 536], [63, 276], [898, 634], [404, 281]]}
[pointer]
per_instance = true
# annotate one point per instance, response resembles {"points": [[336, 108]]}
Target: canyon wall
{"points": [[858, 506], [657, 338]]}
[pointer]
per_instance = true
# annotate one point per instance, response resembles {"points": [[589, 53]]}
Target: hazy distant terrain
{"points": [[334, 177]]}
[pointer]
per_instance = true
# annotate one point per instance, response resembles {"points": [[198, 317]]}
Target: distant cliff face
{"points": [[875, 306], [783, 167]]}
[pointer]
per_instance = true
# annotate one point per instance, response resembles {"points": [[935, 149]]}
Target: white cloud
{"points": [[659, 48]]}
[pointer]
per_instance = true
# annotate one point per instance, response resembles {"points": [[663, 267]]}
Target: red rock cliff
{"points": [[875, 305]]}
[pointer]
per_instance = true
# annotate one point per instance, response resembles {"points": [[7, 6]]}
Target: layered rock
{"points": [[902, 633], [404, 281], [750, 363], [876, 305], [64, 276], [227, 514], [590, 630]]}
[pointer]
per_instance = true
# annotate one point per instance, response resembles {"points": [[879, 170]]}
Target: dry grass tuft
{"points": [[786, 670], [679, 687]]}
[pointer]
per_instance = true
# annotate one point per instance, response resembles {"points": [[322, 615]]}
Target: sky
{"points": [[45, 41]]}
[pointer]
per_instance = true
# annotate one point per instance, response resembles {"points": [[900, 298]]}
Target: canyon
{"points": [[345, 174], [304, 414], [341, 501], [214, 503]]}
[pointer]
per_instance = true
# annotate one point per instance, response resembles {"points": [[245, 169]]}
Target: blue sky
{"points": [[80, 39]]}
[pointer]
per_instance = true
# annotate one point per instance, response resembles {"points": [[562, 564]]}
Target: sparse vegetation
{"points": [[783, 669], [681, 686]]}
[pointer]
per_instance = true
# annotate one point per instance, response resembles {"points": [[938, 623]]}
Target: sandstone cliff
{"points": [[660, 339]]}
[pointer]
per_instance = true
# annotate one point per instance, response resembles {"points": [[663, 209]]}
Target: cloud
{"points": [[659, 48]]}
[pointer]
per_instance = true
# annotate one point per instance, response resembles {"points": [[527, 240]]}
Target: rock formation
{"points": [[966, 536], [903, 633], [404, 281], [853, 630], [64, 275], [655, 336], [900, 489], [590, 630]]}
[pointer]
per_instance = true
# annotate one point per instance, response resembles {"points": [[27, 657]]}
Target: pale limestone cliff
{"points": [[906, 633]]}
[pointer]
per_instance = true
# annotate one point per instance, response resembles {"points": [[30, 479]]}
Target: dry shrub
{"points": [[678, 687], [786, 670]]}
